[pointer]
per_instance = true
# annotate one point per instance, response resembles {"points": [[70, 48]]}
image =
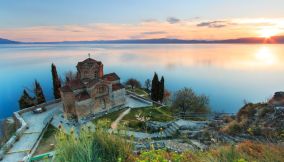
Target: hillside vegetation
{"points": [[260, 119]]}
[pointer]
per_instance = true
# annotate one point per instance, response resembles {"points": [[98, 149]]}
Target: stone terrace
{"points": [[36, 123]]}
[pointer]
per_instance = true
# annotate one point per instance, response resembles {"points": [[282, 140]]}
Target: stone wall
{"points": [[7, 129], [68, 99], [95, 71], [118, 97], [84, 108], [149, 101]]}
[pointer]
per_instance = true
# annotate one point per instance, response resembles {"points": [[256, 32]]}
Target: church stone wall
{"points": [[68, 99], [84, 108], [118, 97]]}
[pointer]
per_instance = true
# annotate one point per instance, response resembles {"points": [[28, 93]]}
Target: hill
{"points": [[6, 41], [250, 40]]}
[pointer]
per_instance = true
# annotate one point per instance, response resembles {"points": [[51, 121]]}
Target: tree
{"points": [[155, 88], [39, 93], [186, 101], [56, 82], [161, 89], [26, 100], [70, 75], [147, 84], [133, 83]]}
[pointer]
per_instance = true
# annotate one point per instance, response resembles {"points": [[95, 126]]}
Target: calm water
{"points": [[228, 74]]}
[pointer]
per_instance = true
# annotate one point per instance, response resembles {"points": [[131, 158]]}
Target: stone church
{"points": [[92, 91]]}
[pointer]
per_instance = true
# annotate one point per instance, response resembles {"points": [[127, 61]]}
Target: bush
{"points": [[166, 156], [98, 146], [232, 128]]}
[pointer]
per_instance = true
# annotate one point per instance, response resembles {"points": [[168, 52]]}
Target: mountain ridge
{"points": [[248, 40]]}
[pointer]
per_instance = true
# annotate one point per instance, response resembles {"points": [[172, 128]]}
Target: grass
{"points": [[139, 91], [98, 146], [102, 146], [161, 114], [246, 151], [47, 142]]}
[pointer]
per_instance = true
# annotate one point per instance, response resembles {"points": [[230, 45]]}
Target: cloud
{"points": [[153, 33], [173, 20], [213, 24], [181, 29], [150, 20]]}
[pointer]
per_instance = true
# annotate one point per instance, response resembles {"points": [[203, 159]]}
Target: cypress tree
{"points": [[155, 88], [56, 82], [161, 89], [26, 100], [39, 93]]}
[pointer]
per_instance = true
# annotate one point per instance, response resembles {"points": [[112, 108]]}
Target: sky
{"points": [[67, 20]]}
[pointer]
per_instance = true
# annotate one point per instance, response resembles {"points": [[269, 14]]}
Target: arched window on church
{"points": [[101, 89]]}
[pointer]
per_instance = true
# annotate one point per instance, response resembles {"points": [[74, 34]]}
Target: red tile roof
{"points": [[111, 77], [117, 86], [90, 62]]}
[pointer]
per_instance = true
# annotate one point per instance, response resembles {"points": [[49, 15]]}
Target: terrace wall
{"points": [[21, 126]]}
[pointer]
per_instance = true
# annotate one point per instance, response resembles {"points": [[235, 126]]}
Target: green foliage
{"points": [[234, 128], [26, 100], [230, 155], [51, 130], [158, 156], [155, 88], [56, 82], [158, 88], [39, 93], [98, 146], [161, 89], [186, 101], [162, 114], [246, 151]]}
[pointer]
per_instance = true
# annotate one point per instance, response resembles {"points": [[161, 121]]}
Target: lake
{"points": [[228, 74]]}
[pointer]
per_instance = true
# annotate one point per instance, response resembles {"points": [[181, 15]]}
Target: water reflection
{"points": [[265, 56], [227, 73]]}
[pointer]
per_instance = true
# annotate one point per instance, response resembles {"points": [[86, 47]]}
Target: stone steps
{"points": [[168, 132]]}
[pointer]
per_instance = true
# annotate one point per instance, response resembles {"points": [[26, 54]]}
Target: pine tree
{"points": [[56, 82], [26, 100], [39, 93], [161, 89], [155, 88]]}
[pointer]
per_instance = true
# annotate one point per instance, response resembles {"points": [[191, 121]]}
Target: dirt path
{"points": [[114, 124]]}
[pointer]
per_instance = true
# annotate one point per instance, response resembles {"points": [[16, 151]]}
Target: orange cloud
{"points": [[171, 28]]}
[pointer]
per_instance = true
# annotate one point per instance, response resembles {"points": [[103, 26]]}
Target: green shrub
{"points": [[98, 146], [232, 128]]}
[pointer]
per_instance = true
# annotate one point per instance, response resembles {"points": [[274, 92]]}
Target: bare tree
{"points": [[186, 101], [133, 83], [147, 84], [70, 75]]}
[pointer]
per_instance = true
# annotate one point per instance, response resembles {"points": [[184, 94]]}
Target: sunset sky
{"points": [[61, 20]]}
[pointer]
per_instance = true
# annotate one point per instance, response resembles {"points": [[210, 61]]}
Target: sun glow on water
{"points": [[266, 56]]}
